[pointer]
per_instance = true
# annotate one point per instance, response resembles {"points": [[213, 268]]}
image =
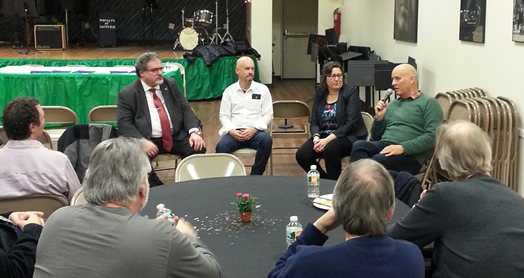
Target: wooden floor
{"points": [[90, 52], [207, 111]]}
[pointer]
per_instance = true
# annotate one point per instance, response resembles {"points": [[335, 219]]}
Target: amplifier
{"points": [[50, 37]]}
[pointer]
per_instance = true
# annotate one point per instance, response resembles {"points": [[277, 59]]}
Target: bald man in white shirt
{"points": [[246, 111]]}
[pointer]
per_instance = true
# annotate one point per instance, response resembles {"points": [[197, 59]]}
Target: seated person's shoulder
{"points": [[408, 252], [53, 155], [259, 86]]}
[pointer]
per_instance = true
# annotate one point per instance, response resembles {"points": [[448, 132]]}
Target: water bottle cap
{"points": [[160, 206], [293, 218], [313, 167]]}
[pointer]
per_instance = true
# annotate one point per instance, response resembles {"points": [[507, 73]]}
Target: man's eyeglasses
{"points": [[155, 70], [335, 76]]}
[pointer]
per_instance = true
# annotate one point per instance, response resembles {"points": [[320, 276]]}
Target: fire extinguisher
{"points": [[336, 20]]}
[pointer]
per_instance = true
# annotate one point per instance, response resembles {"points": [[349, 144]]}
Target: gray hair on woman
{"points": [[326, 71], [141, 62], [463, 149], [363, 198], [116, 171]]}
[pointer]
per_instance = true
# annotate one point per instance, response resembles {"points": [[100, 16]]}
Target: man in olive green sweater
{"points": [[403, 133]]}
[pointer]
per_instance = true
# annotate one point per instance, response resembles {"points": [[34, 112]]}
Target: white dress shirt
{"points": [[156, 127], [239, 109]]}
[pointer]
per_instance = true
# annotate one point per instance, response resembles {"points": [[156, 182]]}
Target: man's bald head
{"points": [[463, 149], [243, 60], [245, 71], [404, 80]]}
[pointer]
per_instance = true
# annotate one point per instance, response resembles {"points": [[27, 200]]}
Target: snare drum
{"points": [[203, 18], [191, 37]]}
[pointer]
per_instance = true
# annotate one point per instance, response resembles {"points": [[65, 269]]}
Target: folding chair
{"points": [[103, 114], [289, 109], [58, 115], [201, 166], [46, 203]]}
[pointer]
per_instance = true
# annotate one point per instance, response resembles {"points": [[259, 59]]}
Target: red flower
{"points": [[239, 194], [245, 196]]}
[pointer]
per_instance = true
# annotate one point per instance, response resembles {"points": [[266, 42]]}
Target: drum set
{"points": [[195, 30]]}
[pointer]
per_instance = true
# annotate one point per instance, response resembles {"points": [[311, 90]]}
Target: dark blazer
{"points": [[349, 120], [134, 120]]}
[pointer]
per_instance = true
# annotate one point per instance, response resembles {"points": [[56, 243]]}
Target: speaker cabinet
{"points": [[106, 29], [50, 37]]}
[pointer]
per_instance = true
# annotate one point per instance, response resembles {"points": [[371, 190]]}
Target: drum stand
{"points": [[177, 42], [216, 35], [227, 36]]}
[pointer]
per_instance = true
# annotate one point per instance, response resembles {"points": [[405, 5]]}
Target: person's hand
{"points": [[196, 142], [380, 110], [422, 194], [392, 150], [316, 146], [320, 145], [420, 198], [29, 217], [149, 147], [237, 134], [186, 228], [164, 217], [248, 133], [327, 222]]}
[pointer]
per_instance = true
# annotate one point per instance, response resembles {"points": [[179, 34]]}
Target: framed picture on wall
{"points": [[472, 20], [406, 20], [518, 20]]}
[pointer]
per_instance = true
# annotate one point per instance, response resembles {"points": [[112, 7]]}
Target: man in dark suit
{"points": [[153, 109]]}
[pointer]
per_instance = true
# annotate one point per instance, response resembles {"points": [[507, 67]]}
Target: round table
{"points": [[245, 249]]}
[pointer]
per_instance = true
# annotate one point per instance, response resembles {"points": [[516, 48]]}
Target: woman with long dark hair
{"points": [[336, 123]]}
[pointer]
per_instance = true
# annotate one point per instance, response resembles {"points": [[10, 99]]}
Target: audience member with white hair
{"points": [[108, 238], [363, 201], [475, 221]]}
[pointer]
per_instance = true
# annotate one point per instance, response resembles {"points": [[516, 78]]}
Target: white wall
{"points": [[325, 14], [445, 63], [261, 17]]}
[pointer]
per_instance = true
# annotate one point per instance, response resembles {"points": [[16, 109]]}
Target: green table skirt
{"points": [[83, 92]]}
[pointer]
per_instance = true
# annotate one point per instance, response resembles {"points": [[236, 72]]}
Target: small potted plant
{"points": [[245, 205]]}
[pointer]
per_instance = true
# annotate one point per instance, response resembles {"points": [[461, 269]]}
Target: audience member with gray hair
{"points": [[108, 238], [363, 201], [475, 221]]}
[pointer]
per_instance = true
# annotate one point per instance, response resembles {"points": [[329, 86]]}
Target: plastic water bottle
{"points": [[163, 210], [313, 182], [293, 230]]}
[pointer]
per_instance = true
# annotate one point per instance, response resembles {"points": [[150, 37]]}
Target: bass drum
{"points": [[191, 37]]}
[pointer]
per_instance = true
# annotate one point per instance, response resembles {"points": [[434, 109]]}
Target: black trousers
{"points": [[333, 153], [180, 147]]}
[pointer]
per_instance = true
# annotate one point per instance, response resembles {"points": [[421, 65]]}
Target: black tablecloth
{"points": [[245, 249]]}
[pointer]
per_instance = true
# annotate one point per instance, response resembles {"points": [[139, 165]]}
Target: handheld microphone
{"points": [[389, 92]]}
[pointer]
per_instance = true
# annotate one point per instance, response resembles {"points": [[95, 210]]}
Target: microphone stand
{"points": [[67, 28], [216, 35], [26, 35], [227, 36]]}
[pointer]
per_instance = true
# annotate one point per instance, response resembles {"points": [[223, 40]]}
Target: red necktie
{"points": [[167, 140]]}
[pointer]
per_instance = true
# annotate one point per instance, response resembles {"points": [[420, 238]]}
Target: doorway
{"points": [[299, 19]]}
